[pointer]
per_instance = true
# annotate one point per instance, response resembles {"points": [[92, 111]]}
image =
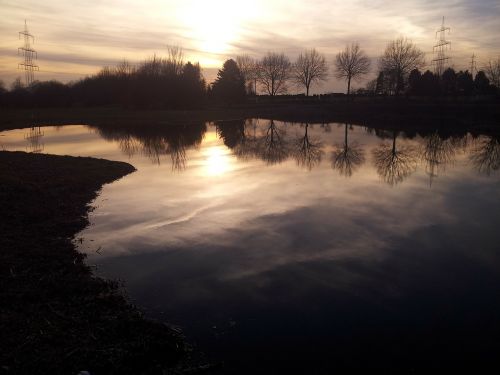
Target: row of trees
{"points": [[170, 82], [275, 71], [166, 82]]}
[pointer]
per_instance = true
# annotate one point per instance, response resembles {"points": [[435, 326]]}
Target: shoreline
{"points": [[57, 317], [383, 113]]}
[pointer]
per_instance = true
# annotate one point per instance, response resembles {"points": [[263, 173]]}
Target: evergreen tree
{"points": [[449, 82], [465, 84], [414, 82], [230, 83], [481, 83]]}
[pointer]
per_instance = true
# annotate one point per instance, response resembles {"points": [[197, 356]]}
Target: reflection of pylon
{"points": [[440, 48], [33, 136], [28, 54]]}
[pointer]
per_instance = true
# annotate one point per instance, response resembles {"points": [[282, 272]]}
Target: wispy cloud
{"points": [[75, 38]]}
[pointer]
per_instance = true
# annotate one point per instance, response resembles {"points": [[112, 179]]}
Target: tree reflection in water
{"points": [[307, 152], [436, 153], [34, 138], [240, 136], [485, 156], [346, 158], [155, 142], [394, 164], [273, 147], [129, 145]]}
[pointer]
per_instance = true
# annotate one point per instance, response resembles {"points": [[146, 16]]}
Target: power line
{"points": [[28, 53], [440, 48]]}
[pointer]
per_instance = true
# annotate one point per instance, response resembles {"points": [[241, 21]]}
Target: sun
{"points": [[215, 25]]}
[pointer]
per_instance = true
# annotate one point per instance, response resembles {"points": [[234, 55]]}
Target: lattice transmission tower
{"points": [[29, 54], [440, 49], [473, 65]]}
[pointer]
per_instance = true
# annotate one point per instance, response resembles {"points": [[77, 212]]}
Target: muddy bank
{"points": [[55, 316]]}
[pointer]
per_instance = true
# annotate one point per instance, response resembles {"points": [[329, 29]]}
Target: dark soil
{"points": [[56, 317]]}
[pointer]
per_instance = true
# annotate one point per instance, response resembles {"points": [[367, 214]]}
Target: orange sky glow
{"points": [[74, 39]]}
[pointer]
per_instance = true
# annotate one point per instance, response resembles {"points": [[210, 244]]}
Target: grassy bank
{"points": [[55, 316], [389, 113]]}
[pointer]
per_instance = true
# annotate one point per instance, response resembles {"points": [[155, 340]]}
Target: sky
{"points": [[76, 38]]}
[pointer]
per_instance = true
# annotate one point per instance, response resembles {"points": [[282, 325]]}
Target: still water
{"points": [[301, 248]]}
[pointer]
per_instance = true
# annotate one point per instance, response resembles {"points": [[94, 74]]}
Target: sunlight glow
{"points": [[217, 161], [215, 25]]}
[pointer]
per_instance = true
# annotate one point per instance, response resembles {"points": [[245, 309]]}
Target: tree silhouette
{"points": [[230, 83], [400, 57], [415, 82], [249, 69], [481, 83], [465, 83], [430, 84], [310, 68], [306, 151], [394, 164], [274, 72], [346, 158], [351, 63], [380, 85], [492, 70], [449, 82], [486, 155]]}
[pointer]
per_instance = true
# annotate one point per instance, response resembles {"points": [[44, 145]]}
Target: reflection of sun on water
{"points": [[217, 161]]}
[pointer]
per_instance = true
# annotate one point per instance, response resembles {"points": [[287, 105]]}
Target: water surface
{"points": [[301, 247]]}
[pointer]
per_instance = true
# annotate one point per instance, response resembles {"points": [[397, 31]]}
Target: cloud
{"points": [[89, 34]]}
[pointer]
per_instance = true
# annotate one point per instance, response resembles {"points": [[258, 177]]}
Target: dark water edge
{"points": [[56, 316], [468, 114]]}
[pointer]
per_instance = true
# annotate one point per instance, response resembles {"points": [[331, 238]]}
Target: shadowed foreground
{"points": [[55, 316]]}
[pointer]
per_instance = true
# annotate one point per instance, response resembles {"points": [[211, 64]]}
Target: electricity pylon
{"points": [[473, 64], [28, 53], [440, 48]]}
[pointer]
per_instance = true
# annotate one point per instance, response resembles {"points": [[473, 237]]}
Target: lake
{"points": [[301, 248]]}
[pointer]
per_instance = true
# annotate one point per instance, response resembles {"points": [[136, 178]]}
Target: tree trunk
{"points": [[348, 85], [307, 90]]}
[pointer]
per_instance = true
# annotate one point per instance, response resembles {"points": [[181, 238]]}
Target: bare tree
{"points": [[274, 72], [248, 67], [351, 63], [124, 68], [492, 70], [310, 68], [175, 59], [401, 56]]}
